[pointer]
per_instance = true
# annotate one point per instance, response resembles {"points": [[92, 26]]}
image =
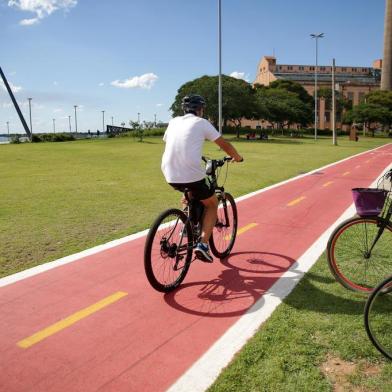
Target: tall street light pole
{"points": [[155, 120], [220, 64], [69, 123], [316, 37], [138, 118], [54, 125], [76, 120], [31, 124], [334, 140], [103, 121], [112, 121], [8, 129]]}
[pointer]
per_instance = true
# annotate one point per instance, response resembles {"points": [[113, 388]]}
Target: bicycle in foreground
{"points": [[378, 320], [359, 251], [168, 251]]}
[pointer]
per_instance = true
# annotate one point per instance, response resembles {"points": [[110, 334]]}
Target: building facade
{"points": [[352, 82]]}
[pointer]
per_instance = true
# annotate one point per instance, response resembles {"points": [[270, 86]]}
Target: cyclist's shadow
{"points": [[247, 276]]}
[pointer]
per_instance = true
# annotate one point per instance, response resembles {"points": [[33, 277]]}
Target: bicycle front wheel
{"points": [[378, 317], [225, 230], [351, 258], [168, 250]]}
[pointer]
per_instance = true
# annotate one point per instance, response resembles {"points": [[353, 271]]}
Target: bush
{"points": [[52, 137], [15, 139]]}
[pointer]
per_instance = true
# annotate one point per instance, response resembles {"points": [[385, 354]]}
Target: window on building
{"points": [[344, 69], [350, 96], [361, 96], [311, 68], [354, 69], [327, 116], [301, 68], [322, 68]]}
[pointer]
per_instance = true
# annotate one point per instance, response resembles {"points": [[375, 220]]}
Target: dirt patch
{"points": [[339, 371]]}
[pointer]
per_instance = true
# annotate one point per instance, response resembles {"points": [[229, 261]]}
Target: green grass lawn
{"points": [[314, 341], [60, 198]]}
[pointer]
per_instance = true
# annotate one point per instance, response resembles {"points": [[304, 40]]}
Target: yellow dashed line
{"points": [[296, 201], [64, 323], [327, 184], [243, 230], [346, 173]]}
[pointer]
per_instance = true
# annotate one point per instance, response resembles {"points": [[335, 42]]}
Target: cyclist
{"points": [[184, 138]]}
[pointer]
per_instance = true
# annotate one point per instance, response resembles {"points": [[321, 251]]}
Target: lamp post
{"points": [[103, 121], [112, 121], [69, 123], [155, 120], [138, 118], [334, 141], [8, 129], [54, 125], [316, 37], [76, 120], [31, 124], [220, 65]]}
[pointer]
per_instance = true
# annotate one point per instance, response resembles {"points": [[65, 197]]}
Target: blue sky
{"points": [[131, 56]]}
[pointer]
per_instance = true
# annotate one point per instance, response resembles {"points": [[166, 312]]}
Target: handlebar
{"points": [[219, 162]]}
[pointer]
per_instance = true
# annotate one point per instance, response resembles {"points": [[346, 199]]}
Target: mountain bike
{"points": [[359, 251], [170, 241], [378, 317]]}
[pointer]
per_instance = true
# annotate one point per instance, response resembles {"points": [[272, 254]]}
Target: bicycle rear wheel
{"points": [[225, 230], [378, 317], [349, 256], [168, 250]]}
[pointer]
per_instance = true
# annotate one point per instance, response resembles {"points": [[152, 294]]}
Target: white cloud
{"points": [[240, 75], [101, 84], [41, 8], [145, 81], [29, 22], [15, 89], [159, 105], [55, 83], [57, 110]]}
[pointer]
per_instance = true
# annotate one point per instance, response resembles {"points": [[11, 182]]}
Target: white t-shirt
{"points": [[184, 138]]}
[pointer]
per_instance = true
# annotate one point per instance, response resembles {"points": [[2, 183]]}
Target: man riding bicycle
{"points": [[184, 138]]}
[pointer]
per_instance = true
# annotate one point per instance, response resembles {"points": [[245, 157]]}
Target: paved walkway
{"points": [[95, 324]]}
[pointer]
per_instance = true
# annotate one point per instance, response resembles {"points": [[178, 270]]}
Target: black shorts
{"points": [[200, 190]]}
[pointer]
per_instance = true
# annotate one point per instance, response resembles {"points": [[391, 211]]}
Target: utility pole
{"points": [[334, 140], [316, 37], [103, 121], [76, 120]]}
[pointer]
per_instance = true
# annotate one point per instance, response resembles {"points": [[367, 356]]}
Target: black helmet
{"points": [[192, 103]]}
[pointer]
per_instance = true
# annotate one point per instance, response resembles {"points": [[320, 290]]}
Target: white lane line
{"points": [[88, 252]]}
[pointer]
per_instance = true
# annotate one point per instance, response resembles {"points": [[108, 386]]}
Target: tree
{"points": [[369, 114], [282, 107], [237, 98], [295, 88]]}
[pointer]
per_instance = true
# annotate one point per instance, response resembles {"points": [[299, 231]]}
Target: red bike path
{"points": [[141, 339]]}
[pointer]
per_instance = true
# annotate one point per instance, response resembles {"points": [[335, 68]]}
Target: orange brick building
{"points": [[352, 82]]}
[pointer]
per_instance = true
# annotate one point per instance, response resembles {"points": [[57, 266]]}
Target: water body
{"points": [[3, 139]]}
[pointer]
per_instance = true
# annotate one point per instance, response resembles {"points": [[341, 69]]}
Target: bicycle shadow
{"points": [[236, 289], [247, 277]]}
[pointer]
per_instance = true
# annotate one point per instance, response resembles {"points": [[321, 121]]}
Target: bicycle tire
{"points": [[377, 317], [161, 253], [222, 238], [347, 258]]}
